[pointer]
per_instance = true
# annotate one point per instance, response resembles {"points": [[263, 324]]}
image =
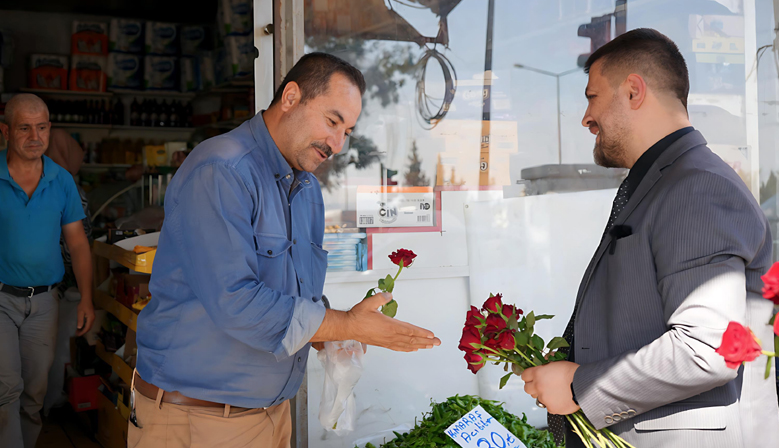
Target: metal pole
{"points": [[559, 130], [484, 155]]}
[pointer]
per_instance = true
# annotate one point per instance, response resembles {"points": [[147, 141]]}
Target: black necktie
{"points": [[557, 422]]}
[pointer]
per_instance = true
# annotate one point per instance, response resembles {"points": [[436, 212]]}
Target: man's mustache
{"points": [[325, 148]]}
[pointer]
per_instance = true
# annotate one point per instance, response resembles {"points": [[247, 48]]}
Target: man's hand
{"points": [[550, 384], [86, 317], [366, 324]]}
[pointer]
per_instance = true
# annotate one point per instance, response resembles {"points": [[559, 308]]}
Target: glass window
{"points": [[481, 111]]}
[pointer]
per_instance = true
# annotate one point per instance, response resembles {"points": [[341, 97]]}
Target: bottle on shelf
{"points": [[174, 114], [154, 116], [135, 113], [144, 107], [188, 115], [162, 117], [117, 115]]}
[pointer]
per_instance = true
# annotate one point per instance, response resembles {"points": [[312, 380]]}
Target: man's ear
{"points": [[290, 97], [5, 131], [636, 87]]}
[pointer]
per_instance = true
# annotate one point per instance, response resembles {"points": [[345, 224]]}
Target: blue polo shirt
{"points": [[30, 227]]}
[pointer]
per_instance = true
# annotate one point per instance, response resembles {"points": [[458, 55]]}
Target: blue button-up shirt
{"points": [[237, 280], [30, 227]]}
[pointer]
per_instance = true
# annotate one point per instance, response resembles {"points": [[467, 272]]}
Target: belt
{"points": [[27, 291], [150, 391]]}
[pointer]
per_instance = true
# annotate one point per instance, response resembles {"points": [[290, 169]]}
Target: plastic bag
{"points": [[342, 361]]}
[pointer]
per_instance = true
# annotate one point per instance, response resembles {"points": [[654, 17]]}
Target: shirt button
{"points": [[301, 280], [299, 359], [294, 241], [270, 252], [277, 175], [306, 181]]}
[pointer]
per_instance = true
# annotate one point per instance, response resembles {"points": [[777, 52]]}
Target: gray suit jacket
{"points": [[652, 313]]}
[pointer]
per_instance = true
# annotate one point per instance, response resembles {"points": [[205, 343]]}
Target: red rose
{"points": [[506, 340], [493, 304], [470, 336], [403, 255], [492, 343], [495, 323], [511, 310], [738, 345], [475, 361], [474, 316], [771, 284]]}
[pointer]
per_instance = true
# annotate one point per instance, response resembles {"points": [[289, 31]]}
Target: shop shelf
{"points": [[153, 93], [137, 262], [120, 367], [81, 126], [70, 93], [228, 124], [150, 129], [121, 312]]}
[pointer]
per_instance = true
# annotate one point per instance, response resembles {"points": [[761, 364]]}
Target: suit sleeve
{"points": [[703, 234]]}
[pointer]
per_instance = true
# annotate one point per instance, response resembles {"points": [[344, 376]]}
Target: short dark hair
{"points": [[648, 53], [312, 73]]}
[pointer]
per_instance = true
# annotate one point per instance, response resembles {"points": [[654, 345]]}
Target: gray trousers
{"points": [[28, 331]]}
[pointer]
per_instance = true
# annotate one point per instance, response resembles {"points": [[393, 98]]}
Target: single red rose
{"points": [[771, 284], [492, 343], [776, 326], [493, 304], [511, 310], [506, 340], [738, 345], [404, 255], [495, 323], [470, 336], [473, 317], [475, 361]]}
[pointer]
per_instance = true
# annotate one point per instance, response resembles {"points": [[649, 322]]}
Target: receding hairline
{"points": [[24, 102]]}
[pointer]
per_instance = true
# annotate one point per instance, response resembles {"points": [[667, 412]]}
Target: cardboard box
{"points": [[234, 17], [83, 393], [126, 36], [131, 287], [125, 71], [240, 55], [162, 38], [48, 71], [111, 425], [161, 73], [189, 69], [89, 38], [195, 39], [88, 73], [206, 70]]}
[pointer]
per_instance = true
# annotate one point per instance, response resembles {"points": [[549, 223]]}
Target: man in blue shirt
{"points": [[38, 203], [239, 272]]}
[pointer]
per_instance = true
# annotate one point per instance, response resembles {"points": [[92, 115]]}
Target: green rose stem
{"points": [[579, 423]]}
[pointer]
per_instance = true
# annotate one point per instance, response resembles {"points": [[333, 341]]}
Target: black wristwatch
{"points": [[573, 395]]}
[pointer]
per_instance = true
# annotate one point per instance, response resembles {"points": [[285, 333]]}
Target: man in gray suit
{"points": [[681, 256]]}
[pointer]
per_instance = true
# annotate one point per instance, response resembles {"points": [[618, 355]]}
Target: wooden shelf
{"points": [[120, 367], [151, 128], [124, 257], [121, 312], [153, 93], [81, 126], [71, 93]]}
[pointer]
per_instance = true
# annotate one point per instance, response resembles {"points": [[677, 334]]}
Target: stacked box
{"points": [[161, 73], [48, 71], [162, 38], [89, 38], [88, 73], [206, 71], [125, 71], [189, 68], [126, 36], [195, 39], [234, 17], [239, 55]]}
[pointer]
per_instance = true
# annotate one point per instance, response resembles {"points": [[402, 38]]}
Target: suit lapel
{"points": [[668, 157]]}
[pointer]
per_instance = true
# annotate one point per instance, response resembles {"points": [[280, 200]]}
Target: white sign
{"points": [[478, 429], [395, 209]]}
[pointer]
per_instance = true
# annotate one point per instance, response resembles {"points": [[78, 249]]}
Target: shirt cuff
{"points": [[307, 317]]}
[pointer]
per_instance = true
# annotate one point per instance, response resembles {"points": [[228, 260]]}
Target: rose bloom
{"points": [[738, 345], [475, 361], [404, 255], [494, 304], [470, 336], [506, 340], [472, 317], [511, 310], [495, 324]]}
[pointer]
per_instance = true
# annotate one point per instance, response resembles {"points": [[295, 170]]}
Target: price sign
{"points": [[478, 429]]}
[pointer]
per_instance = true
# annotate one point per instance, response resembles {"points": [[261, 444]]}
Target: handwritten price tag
{"points": [[478, 429]]}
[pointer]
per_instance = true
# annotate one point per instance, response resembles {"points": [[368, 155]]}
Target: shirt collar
{"points": [[650, 156], [274, 158]]}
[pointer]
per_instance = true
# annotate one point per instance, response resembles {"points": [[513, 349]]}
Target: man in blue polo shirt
{"points": [[38, 203], [239, 272]]}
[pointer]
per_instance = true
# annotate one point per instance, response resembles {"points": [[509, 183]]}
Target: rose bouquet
{"points": [[402, 258], [739, 344], [503, 334]]}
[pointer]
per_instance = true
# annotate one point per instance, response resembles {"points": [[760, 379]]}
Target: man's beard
{"points": [[610, 153]]}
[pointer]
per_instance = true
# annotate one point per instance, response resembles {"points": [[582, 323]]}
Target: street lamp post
{"points": [[557, 76]]}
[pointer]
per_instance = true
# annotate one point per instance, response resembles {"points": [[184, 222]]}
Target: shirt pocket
{"points": [[318, 268], [270, 246]]}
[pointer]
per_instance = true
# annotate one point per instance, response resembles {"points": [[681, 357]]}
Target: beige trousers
{"points": [[166, 425]]}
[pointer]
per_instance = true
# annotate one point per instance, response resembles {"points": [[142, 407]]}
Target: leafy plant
{"points": [[430, 432]]}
